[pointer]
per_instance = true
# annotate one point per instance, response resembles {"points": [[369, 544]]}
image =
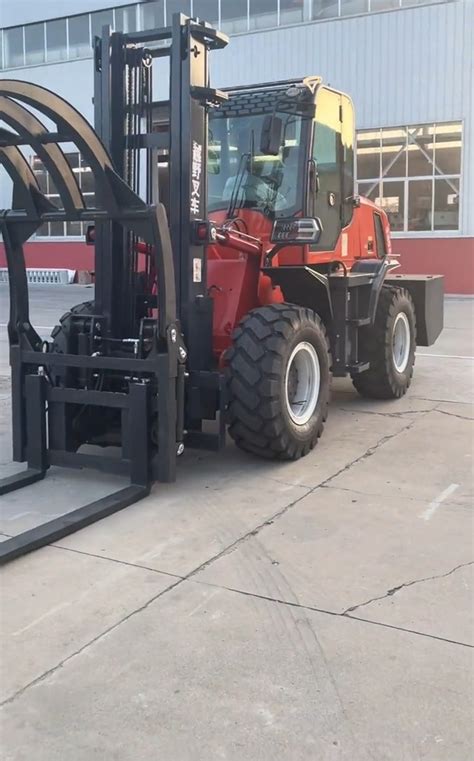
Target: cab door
{"points": [[327, 158]]}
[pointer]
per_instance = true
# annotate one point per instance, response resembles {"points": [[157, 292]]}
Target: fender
{"points": [[304, 286], [379, 269]]}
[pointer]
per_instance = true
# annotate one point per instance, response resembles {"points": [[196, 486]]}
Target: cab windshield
{"points": [[241, 176]]}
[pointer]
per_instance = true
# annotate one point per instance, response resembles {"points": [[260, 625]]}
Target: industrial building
{"points": [[407, 64]]}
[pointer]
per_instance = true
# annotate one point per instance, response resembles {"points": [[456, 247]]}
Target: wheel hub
{"points": [[401, 342], [302, 383]]}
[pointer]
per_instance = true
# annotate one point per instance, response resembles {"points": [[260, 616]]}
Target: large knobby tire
{"points": [[59, 332], [278, 381], [60, 336], [389, 345]]}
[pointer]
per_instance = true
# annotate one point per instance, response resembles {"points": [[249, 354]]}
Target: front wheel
{"points": [[389, 345], [279, 381]]}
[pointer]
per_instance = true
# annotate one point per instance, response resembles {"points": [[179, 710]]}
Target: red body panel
{"points": [[234, 277]]}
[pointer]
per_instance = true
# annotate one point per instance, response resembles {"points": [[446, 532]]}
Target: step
{"points": [[359, 322], [358, 367]]}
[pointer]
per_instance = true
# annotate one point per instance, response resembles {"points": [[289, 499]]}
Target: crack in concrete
{"points": [[405, 498], [440, 401], [88, 644], [334, 613], [410, 412], [386, 414], [189, 576], [394, 590], [370, 451], [399, 496], [289, 483], [253, 532], [276, 516], [410, 631], [149, 602], [115, 560], [453, 414]]}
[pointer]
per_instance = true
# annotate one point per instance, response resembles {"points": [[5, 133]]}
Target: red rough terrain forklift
{"points": [[236, 270]]}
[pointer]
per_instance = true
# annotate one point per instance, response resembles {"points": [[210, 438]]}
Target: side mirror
{"points": [[271, 137]]}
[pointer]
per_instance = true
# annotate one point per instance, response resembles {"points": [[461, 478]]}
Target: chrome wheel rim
{"points": [[401, 342], [302, 383]]}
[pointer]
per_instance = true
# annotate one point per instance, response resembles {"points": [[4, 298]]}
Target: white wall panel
{"points": [[405, 67], [409, 66], [13, 12]]}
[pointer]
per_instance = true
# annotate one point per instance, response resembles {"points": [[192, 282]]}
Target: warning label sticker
{"points": [[344, 244], [197, 270]]}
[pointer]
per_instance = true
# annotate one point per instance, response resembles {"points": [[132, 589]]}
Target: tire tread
{"points": [[253, 377], [380, 381]]}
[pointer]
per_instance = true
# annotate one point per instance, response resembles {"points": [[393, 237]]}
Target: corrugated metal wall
{"points": [[409, 66], [406, 67]]}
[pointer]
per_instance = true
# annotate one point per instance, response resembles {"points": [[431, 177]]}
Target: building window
{"points": [[14, 49], [234, 16], [352, 7], [85, 181], [34, 44], [56, 40], [79, 36], [263, 14], [153, 15], [207, 10], [383, 5], [292, 11], [177, 6], [325, 9], [126, 19], [413, 173], [100, 19]]}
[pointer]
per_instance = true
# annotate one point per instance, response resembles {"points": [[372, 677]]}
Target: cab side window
{"points": [[381, 248], [327, 153], [348, 132]]}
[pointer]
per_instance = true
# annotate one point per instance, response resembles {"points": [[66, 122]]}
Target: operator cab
{"points": [[284, 150]]}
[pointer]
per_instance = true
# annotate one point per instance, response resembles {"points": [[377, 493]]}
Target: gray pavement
{"points": [[317, 610]]}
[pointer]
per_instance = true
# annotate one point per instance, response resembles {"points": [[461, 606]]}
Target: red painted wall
{"points": [[451, 257], [70, 255]]}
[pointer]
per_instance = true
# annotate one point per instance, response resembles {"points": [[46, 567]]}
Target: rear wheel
{"points": [[389, 345], [279, 381]]}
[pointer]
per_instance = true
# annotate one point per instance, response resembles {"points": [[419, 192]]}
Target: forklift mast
{"points": [[124, 120], [125, 353]]}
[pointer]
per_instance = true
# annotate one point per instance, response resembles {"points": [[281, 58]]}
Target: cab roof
{"points": [[292, 96]]}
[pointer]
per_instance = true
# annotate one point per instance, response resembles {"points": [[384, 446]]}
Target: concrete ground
{"points": [[319, 610]]}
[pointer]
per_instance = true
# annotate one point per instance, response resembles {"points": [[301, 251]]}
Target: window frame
{"points": [[25, 50], [379, 182], [66, 49], [80, 169]]}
